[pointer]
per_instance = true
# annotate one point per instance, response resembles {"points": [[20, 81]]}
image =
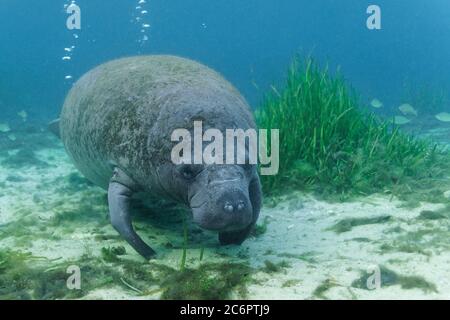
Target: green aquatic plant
{"points": [[211, 281], [430, 236], [271, 267], [330, 145], [202, 252], [348, 224], [111, 254], [291, 283], [361, 239], [307, 256], [15, 276], [439, 214], [89, 211], [185, 244], [23, 276], [322, 288], [260, 228], [391, 278], [432, 215]]}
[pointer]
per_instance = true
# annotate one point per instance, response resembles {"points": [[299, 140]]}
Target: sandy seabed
{"points": [[305, 248]]}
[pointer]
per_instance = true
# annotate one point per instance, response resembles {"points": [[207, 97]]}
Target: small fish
{"points": [[68, 77], [141, 1], [407, 109], [400, 120], [145, 25], [443, 116], [66, 58], [12, 137], [376, 103], [23, 114], [4, 127], [68, 49], [144, 12]]}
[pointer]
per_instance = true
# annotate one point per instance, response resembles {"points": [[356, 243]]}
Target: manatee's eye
{"points": [[189, 171]]}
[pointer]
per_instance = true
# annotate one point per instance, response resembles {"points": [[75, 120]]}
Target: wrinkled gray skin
{"points": [[116, 125]]}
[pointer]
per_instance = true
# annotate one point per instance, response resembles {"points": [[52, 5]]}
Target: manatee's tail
{"points": [[54, 128]]}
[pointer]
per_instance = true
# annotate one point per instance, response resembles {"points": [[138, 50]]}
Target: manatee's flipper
{"points": [[119, 197], [237, 237], [53, 127]]}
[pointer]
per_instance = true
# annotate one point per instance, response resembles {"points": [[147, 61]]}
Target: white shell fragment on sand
{"points": [[408, 109], [443, 116], [376, 103], [400, 120], [4, 127]]}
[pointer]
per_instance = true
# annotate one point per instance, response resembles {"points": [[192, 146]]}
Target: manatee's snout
{"points": [[223, 205], [235, 209], [231, 211], [233, 203]]}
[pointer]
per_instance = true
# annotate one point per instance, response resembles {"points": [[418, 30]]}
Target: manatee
{"points": [[116, 125]]}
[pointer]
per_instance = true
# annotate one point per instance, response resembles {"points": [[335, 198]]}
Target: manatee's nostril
{"points": [[228, 207], [234, 204]]}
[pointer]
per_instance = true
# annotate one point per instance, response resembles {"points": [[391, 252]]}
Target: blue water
{"points": [[251, 42]]}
